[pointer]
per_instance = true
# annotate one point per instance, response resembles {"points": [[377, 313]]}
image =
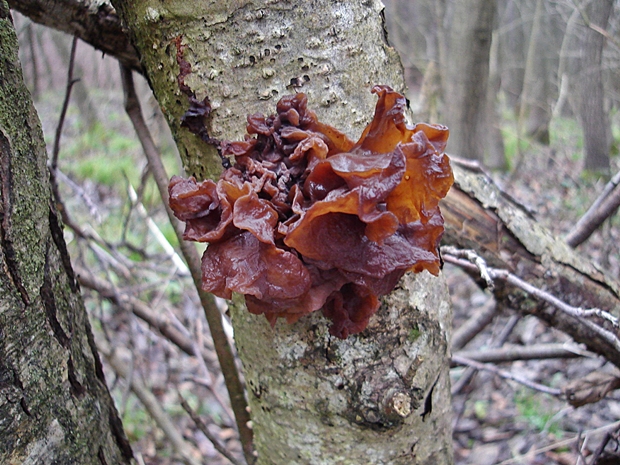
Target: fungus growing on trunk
{"points": [[307, 219]]}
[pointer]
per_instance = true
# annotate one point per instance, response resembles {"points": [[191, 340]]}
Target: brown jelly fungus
{"points": [[306, 219]]}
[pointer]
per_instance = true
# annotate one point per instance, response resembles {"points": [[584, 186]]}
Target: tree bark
{"points": [[478, 216], [314, 400], [481, 217], [592, 112], [54, 403], [534, 111], [95, 22], [466, 76]]}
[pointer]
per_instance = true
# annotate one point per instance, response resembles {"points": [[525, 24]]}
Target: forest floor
{"points": [[496, 421]]}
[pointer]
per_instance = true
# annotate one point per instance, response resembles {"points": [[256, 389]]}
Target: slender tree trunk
{"points": [[592, 112], [534, 110], [494, 156], [511, 51], [466, 76], [54, 404], [314, 399]]}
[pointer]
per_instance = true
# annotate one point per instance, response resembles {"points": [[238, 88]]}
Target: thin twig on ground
{"points": [[474, 325], [151, 404], [211, 437], [513, 353], [565, 442], [498, 342], [506, 375]]}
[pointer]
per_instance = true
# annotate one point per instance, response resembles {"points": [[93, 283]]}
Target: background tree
{"points": [[592, 106], [482, 217], [54, 403], [466, 76]]}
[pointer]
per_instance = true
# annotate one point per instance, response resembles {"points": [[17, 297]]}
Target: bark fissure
{"points": [[77, 389], [116, 427], [59, 241], [6, 193], [51, 312]]}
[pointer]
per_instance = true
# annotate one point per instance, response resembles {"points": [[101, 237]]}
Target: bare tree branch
{"points": [[95, 22], [512, 353], [506, 375], [602, 208], [580, 314], [214, 317]]}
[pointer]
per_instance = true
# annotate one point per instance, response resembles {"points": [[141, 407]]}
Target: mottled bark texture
{"points": [[315, 400], [377, 398], [54, 404]]}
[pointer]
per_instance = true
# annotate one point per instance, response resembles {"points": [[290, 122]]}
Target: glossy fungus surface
{"points": [[306, 219]]}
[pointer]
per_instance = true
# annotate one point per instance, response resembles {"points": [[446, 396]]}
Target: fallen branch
{"points": [[602, 208], [513, 353], [478, 216], [581, 315]]}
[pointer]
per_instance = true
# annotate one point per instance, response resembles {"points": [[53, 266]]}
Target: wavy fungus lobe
{"points": [[307, 219]]}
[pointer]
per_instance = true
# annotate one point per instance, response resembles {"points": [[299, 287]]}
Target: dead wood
{"points": [[480, 216]]}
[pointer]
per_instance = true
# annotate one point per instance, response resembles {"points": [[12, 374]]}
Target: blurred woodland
{"points": [[530, 90]]}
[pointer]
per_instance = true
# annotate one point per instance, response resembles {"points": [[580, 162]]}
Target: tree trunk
{"points": [[534, 110], [466, 76], [54, 403], [592, 112], [314, 400]]}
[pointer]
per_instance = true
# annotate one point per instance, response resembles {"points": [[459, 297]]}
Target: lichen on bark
{"points": [[54, 404], [317, 400]]}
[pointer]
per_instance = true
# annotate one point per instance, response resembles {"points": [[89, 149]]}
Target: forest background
{"points": [[530, 89]]}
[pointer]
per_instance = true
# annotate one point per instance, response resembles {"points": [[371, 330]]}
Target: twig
{"points": [[498, 342], [53, 166], [211, 437], [512, 353], [474, 258], [578, 313], [564, 442], [65, 104], [156, 232], [602, 208], [151, 404], [506, 375], [138, 308], [214, 317], [474, 325], [595, 27]]}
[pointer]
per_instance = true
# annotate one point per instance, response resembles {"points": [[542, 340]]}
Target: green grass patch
{"points": [[102, 155], [536, 412]]}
